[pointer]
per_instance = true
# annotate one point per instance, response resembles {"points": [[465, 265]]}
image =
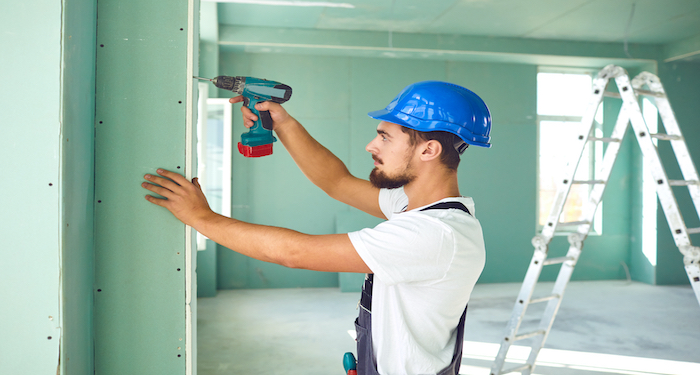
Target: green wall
{"points": [[332, 95], [30, 148], [46, 143]]}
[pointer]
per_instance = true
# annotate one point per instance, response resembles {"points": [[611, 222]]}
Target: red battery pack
{"points": [[255, 151]]}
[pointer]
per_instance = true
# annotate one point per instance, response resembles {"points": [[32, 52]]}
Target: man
{"points": [[421, 264]]}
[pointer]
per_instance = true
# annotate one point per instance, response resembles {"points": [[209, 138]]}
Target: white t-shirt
{"points": [[425, 264]]}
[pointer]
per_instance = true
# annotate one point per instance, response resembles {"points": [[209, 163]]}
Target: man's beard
{"points": [[380, 179]]}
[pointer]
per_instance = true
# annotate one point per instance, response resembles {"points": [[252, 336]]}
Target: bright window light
{"points": [[562, 99], [576, 360], [214, 154]]}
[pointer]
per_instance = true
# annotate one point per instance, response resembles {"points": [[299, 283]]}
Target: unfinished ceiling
{"points": [[670, 24]]}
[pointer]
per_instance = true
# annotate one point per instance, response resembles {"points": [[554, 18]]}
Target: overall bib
{"points": [[366, 363]]}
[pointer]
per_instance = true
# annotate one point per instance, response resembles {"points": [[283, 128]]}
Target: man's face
{"points": [[392, 152]]}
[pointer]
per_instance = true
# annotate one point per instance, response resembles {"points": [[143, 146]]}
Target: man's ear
{"points": [[431, 150]]}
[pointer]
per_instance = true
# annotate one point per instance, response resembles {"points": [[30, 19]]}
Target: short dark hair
{"points": [[449, 156]]}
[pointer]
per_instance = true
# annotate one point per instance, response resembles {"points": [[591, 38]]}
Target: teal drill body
{"points": [[258, 140]]}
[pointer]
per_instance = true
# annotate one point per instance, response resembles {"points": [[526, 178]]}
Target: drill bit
{"points": [[203, 79]]}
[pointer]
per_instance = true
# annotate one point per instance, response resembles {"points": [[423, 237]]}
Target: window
{"points": [[214, 154], [561, 100]]}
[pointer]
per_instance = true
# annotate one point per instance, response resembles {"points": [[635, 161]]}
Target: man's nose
{"points": [[371, 148]]}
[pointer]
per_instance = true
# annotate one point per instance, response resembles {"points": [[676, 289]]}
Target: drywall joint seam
{"points": [[59, 187], [189, 344], [388, 51]]}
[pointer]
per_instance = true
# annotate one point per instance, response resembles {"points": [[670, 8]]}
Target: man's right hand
{"points": [[277, 112]]}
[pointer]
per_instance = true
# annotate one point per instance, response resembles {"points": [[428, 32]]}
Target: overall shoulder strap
{"points": [[446, 205]]}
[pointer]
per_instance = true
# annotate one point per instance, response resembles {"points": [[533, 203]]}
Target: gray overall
{"points": [[366, 363]]}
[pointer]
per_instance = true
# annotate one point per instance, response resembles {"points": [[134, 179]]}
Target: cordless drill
{"points": [[258, 140]]}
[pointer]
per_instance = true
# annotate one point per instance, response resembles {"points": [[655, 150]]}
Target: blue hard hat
{"points": [[440, 106]]}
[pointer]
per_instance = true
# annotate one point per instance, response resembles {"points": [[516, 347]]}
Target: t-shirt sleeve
{"points": [[409, 248]]}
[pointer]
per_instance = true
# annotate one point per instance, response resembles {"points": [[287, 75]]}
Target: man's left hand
{"points": [[184, 199]]}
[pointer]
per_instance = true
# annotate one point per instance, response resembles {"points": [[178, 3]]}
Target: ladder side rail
{"points": [[563, 278], [680, 148], [576, 239], [577, 148], [609, 158], [521, 303], [693, 271], [668, 118], [651, 157], [542, 240], [691, 254]]}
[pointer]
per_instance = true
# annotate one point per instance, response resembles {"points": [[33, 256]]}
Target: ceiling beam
{"points": [[433, 46]]}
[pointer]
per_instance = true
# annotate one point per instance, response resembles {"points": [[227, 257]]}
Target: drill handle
{"points": [[264, 119]]}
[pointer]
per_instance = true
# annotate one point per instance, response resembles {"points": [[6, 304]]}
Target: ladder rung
{"points": [[666, 137], [589, 182], [528, 335], [692, 230], [548, 262], [544, 299], [603, 139], [516, 369], [573, 223], [651, 93], [682, 182], [612, 94]]}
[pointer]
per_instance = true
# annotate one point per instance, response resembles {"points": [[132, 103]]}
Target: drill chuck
{"points": [[235, 84]]}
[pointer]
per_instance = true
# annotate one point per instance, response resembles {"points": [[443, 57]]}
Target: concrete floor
{"points": [[603, 328]]}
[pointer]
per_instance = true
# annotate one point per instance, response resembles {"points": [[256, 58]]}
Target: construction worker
{"points": [[421, 263]]}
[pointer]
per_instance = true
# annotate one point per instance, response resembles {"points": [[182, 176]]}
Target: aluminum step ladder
{"points": [[630, 112]]}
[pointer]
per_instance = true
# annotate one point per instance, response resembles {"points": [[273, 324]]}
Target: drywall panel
{"points": [[30, 214], [143, 74]]}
